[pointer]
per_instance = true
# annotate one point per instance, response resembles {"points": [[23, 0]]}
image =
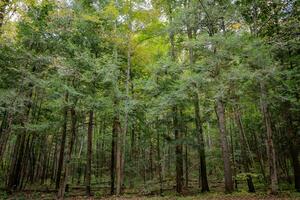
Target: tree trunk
{"points": [[113, 157], [64, 178], [202, 179], [151, 160], [270, 144], [296, 167], [178, 152], [62, 144], [260, 157], [186, 161], [232, 151], [132, 152], [201, 147], [14, 178], [5, 131], [159, 162], [89, 154], [15, 172], [117, 129], [176, 127], [224, 145], [246, 153], [293, 144]]}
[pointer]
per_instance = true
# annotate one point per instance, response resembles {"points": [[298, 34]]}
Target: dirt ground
{"points": [[207, 196]]}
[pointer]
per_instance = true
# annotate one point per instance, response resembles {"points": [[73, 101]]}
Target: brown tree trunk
{"points": [[176, 126], [293, 144], [201, 148], [186, 161], [178, 152], [232, 151], [246, 159], [113, 157], [260, 157], [224, 145], [4, 133], [65, 174], [54, 162], [159, 162], [117, 128], [202, 177], [151, 160], [89, 154], [132, 152], [296, 167], [62, 144], [270, 144], [15, 173]]}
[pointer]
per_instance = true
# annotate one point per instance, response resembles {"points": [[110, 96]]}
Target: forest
{"points": [[149, 99]]}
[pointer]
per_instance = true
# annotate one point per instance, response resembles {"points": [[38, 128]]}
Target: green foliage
{"points": [[136, 61]]}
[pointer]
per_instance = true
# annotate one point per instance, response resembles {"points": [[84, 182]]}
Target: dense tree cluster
{"points": [[149, 95]]}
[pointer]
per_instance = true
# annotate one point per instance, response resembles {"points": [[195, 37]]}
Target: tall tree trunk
{"points": [[117, 128], [293, 144], [246, 153], [4, 133], [132, 152], [14, 178], [89, 153], [176, 126], [159, 161], [201, 148], [113, 157], [62, 144], [123, 134], [65, 174], [296, 167], [151, 160], [260, 157], [202, 177], [186, 161], [54, 160], [232, 151], [178, 151], [270, 144], [15, 172], [224, 145]]}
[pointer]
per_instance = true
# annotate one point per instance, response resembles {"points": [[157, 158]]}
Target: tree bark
{"points": [[117, 129], [260, 157], [186, 161], [14, 178], [113, 157], [178, 152], [246, 159], [224, 145], [201, 148], [293, 144], [159, 161], [270, 144], [5, 132], [65, 174], [89, 153], [62, 144]]}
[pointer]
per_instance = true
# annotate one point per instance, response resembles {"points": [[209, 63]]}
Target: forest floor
{"points": [[207, 196]]}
